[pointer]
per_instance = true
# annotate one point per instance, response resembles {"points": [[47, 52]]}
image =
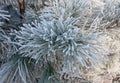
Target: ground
{"points": [[110, 71]]}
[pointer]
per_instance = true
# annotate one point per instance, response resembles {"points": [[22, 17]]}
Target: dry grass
{"points": [[110, 71]]}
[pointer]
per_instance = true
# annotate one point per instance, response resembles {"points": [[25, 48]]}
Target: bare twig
{"points": [[22, 7]]}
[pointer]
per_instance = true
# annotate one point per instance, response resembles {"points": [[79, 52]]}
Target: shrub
{"points": [[53, 45], [3, 15], [60, 45]]}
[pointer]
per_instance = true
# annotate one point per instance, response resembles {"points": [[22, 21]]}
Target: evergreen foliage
{"points": [[56, 40]]}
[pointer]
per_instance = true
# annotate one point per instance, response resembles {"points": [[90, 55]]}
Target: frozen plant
{"points": [[30, 2], [86, 10], [111, 13], [48, 40], [57, 45], [7, 48], [17, 70], [3, 15], [53, 44]]}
